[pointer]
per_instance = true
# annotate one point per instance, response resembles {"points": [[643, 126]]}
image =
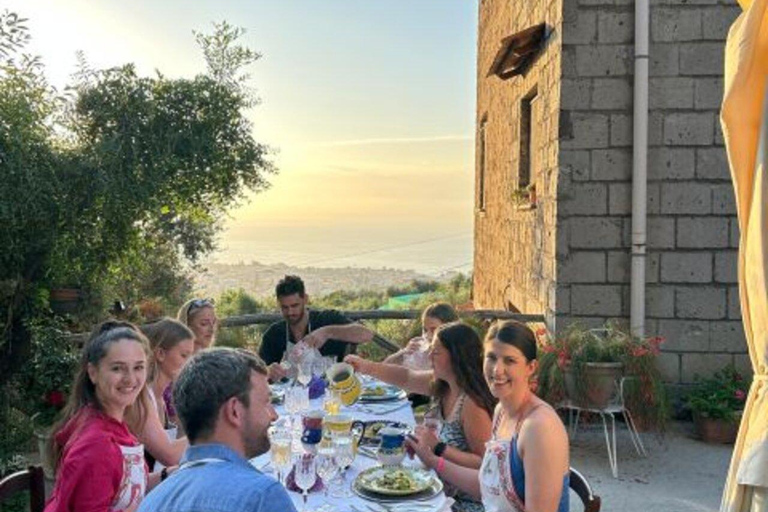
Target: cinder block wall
{"points": [[515, 247], [570, 257], [692, 296]]}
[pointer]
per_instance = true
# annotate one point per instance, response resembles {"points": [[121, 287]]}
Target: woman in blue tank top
{"points": [[526, 466]]}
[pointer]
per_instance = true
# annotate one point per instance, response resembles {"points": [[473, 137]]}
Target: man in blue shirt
{"points": [[222, 399]]}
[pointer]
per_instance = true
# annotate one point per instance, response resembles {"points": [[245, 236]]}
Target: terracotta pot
{"points": [[716, 431], [601, 380]]}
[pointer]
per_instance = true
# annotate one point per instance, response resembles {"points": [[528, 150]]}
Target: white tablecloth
{"points": [[359, 412]]}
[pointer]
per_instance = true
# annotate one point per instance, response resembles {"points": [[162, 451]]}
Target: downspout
{"points": [[639, 168]]}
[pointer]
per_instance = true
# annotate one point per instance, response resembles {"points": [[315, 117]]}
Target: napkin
{"points": [[447, 504]]}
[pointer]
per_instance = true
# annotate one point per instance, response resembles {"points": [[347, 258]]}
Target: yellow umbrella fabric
{"points": [[744, 118]]}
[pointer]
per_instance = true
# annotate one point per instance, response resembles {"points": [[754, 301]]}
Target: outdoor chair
{"points": [[615, 406], [32, 480], [581, 487]]}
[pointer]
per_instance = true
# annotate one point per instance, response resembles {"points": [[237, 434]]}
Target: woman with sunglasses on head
{"points": [[200, 316], [99, 463], [460, 398], [525, 466]]}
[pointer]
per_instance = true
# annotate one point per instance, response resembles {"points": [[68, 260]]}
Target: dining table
{"points": [[398, 410]]}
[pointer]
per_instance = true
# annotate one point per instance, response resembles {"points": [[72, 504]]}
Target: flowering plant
{"points": [[47, 377], [576, 347], [720, 397]]}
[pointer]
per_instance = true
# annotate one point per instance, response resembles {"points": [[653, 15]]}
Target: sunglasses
{"points": [[199, 303]]}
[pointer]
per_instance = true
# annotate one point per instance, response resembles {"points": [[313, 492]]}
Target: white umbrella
{"points": [[744, 118]]}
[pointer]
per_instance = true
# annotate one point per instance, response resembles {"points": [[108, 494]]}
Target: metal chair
{"points": [[31, 479], [581, 487], [615, 406]]}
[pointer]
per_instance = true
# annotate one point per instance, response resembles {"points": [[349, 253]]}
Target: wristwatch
{"points": [[439, 449], [163, 474]]}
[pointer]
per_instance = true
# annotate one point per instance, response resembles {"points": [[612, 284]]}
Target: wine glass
{"points": [[305, 371], [344, 445], [292, 405], [305, 475], [280, 451], [327, 467], [303, 398]]}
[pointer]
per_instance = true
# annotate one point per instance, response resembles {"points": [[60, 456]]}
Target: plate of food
{"points": [[381, 392], [394, 480]]}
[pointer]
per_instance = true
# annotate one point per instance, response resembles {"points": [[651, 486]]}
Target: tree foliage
{"points": [[119, 184]]}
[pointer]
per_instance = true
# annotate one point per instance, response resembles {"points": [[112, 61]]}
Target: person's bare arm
{"points": [[544, 449], [409, 380], [351, 333], [156, 441], [466, 479]]}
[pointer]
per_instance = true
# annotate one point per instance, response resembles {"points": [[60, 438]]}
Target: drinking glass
{"points": [[305, 475], [331, 401], [305, 372], [303, 397], [327, 467], [345, 456], [292, 405], [280, 451]]}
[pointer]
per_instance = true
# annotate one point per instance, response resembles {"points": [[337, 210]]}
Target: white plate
{"points": [[371, 480], [433, 490]]}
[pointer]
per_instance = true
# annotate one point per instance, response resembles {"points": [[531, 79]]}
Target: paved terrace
{"points": [[681, 474]]}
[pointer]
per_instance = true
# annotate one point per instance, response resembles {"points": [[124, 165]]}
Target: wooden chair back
{"points": [[32, 480]]}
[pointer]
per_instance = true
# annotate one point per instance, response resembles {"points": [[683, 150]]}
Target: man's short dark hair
{"points": [[207, 381], [289, 285]]}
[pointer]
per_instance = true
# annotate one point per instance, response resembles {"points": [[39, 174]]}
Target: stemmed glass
{"points": [[327, 467], [305, 475], [280, 451], [305, 371], [292, 405], [345, 456]]}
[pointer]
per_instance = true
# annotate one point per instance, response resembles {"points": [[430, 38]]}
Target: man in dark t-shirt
{"points": [[327, 330]]}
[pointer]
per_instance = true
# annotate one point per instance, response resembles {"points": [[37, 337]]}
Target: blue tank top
{"points": [[517, 470], [518, 478]]}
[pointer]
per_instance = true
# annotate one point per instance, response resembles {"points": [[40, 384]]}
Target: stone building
{"points": [[554, 172]]}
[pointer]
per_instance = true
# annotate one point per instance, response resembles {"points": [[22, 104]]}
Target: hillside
{"points": [[259, 280]]}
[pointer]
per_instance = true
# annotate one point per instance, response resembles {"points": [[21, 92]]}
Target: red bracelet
{"points": [[440, 465]]}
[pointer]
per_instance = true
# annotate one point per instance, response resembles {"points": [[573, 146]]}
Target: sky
{"points": [[368, 105]]}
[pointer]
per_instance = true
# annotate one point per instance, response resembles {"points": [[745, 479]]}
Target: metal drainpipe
{"points": [[639, 168]]}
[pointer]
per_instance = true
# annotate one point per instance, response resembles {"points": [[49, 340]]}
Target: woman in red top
{"points": [[99, 463]]}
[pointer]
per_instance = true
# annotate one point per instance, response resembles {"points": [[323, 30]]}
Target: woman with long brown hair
{"points": [[459, 394], [171, 343], [99, 463], [525, 465]]}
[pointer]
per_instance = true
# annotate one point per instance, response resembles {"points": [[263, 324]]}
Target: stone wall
{"points": [[691, 295], [569, 257], [515, 243]]}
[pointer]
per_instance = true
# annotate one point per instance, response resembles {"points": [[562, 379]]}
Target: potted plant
{"points": [[586, 366], [47, 379], [717, 404]]}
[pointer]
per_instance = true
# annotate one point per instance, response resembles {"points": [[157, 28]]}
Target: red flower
{"points": [[640, 351], [562, 359], [547, 349], [55, 398], [740, 395]]}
